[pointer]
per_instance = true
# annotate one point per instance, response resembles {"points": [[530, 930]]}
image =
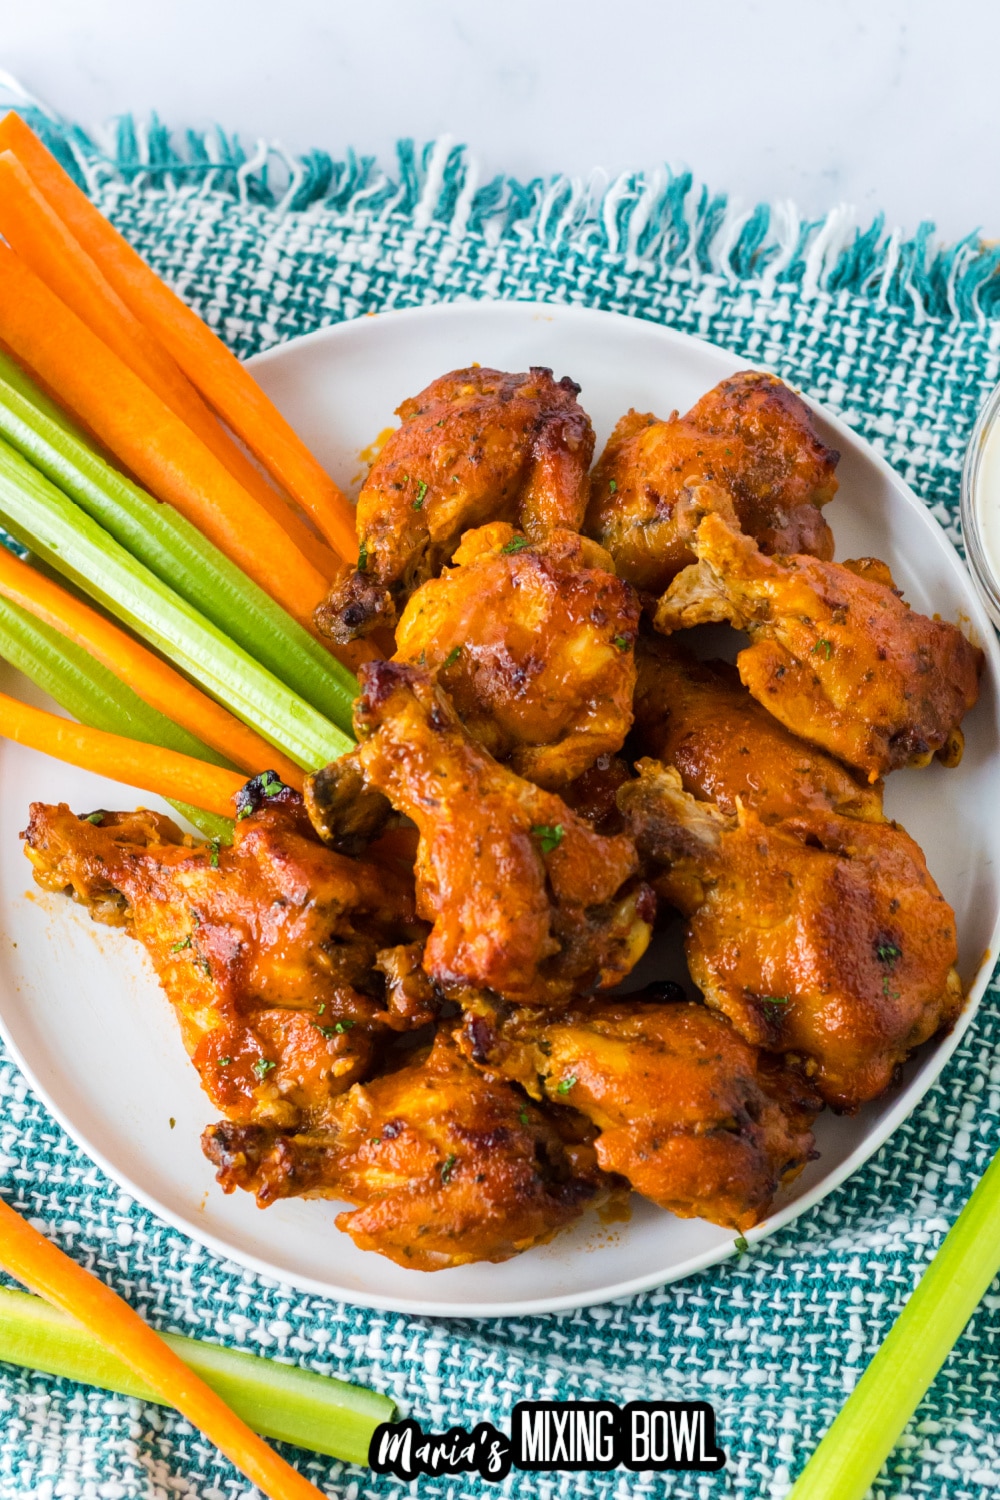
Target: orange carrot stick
{"points": [[39, 237], [226, 385], [161, 685], [37, 1263], [165, 773], [149, 439]]}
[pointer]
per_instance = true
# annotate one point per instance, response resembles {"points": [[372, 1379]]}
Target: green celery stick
{"points": [[41, 517], [861, 1438], [85, 688], [172, 548], [278, 1401]]}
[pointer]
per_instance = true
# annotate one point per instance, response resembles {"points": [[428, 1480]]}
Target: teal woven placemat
{"points": [[898, 340]]}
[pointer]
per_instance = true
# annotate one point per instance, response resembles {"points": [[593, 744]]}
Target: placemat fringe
{"points": [[662, 218]]}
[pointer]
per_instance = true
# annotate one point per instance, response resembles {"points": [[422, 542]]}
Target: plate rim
{"points": [[910, 1097]]}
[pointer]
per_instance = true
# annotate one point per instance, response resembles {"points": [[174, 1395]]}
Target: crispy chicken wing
{"points": [[477, 445], [751, 435], [448, 1165], [822, 936], [836, 655], [267, 949], [532, 642], [687, 1111], [526, 898], [697, 716]]}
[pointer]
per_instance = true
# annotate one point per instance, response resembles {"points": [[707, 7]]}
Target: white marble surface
{"points": [[888, 104]]}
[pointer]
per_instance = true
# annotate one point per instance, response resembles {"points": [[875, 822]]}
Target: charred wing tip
{"points": [[266, 789], [354, 607]]}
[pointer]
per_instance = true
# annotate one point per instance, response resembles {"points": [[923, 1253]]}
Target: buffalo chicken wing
{"points": [[823, 937], [268, 950], [527, 900], [688, 1112], [477, 445], [835, 654], [753, 437], [446, 1164], [532, 642]]}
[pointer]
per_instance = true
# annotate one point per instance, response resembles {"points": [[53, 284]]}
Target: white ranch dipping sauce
{"points": [[981, 504]]}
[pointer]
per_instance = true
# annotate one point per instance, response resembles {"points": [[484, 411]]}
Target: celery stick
{"points": [[888, 1393], [85, 688], [278, 1401], [44, 519], [172, 548]]}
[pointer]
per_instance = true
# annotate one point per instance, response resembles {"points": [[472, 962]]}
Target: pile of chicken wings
{"points": [[409, 990]]}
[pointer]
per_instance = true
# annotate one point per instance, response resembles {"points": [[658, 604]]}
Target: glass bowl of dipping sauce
{"points": [[981, 504]]}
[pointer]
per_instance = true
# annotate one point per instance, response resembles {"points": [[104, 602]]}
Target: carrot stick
{"points": [[149, 439], [226, 385], [165, 773], [39, 237], [42, 1266], [157, 683]]}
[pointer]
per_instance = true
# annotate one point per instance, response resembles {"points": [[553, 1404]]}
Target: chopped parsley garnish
{"points": [[418, 503], [825, 646], [621, 642], [447, 1167], [343, 1025], [612, 485], [326, 1031], [363, 558], [321, 1007], [742, 1244], [516, 544], [564, 1086], [888, 953], [204, 966], [774, 999], [177, 947], [270, 783], [549, 835], [213, 853], [422, 659], [376, 1140], [96, 818], [524, 1117], [262, 1067], [224, 1062], [452, 657]]}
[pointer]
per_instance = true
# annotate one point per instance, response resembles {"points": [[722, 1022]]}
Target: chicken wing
{"points": [[836, 655], [532, 642], [751, 435], [697, 716], [689, 1113], [822, 937], [448, 1165], [267, 950], [526, 898], [477, 445]]}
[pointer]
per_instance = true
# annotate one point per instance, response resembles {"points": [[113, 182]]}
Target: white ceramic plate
{"points": [[79, 1004]]}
